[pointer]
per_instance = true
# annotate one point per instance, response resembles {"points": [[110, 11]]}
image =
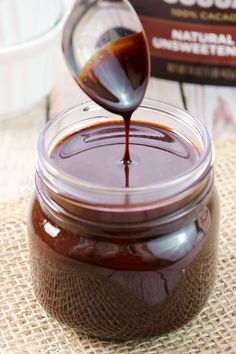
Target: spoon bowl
{"points": [[107, 53]]}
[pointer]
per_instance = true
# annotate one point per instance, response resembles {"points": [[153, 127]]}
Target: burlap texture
{"points": [[26, 328]]}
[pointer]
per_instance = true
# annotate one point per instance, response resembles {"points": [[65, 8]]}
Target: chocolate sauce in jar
{"points": [[93, 155], [127, 271]]}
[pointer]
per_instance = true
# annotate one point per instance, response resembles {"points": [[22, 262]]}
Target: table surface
{"points": [[19, 135]]}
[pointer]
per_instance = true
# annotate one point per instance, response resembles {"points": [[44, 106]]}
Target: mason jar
{"points": [[124, 263]]}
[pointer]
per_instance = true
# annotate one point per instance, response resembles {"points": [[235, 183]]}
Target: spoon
{"points": [[106, 50]]}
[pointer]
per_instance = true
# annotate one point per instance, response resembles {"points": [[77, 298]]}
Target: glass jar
{"points": [[124, 263]]}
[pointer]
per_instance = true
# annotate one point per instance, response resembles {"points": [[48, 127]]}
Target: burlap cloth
{"points": [[26, 328]]}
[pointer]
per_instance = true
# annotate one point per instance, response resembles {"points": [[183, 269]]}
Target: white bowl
{"points": [[28, 70], [23, 20]]}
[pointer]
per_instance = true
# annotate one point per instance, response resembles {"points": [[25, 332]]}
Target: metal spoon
{"points": [[92, 34]]}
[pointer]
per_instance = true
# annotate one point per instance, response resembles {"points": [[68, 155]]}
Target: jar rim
{"points": [[197, 172]]}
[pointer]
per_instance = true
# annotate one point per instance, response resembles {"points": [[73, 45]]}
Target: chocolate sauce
{"points": [[122, 274], [116, 78], [93, 155]]}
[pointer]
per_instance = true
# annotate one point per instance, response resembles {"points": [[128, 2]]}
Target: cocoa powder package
{"points": [[193, 44]]}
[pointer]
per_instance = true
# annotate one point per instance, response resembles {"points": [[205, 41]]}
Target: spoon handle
{"points": [[78, 11]]}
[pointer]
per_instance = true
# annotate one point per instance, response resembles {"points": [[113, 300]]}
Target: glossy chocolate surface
{"points": [[94, 155], [111, 280]]}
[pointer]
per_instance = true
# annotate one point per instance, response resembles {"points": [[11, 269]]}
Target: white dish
{"points": [[23, 20], [28, 70]]}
